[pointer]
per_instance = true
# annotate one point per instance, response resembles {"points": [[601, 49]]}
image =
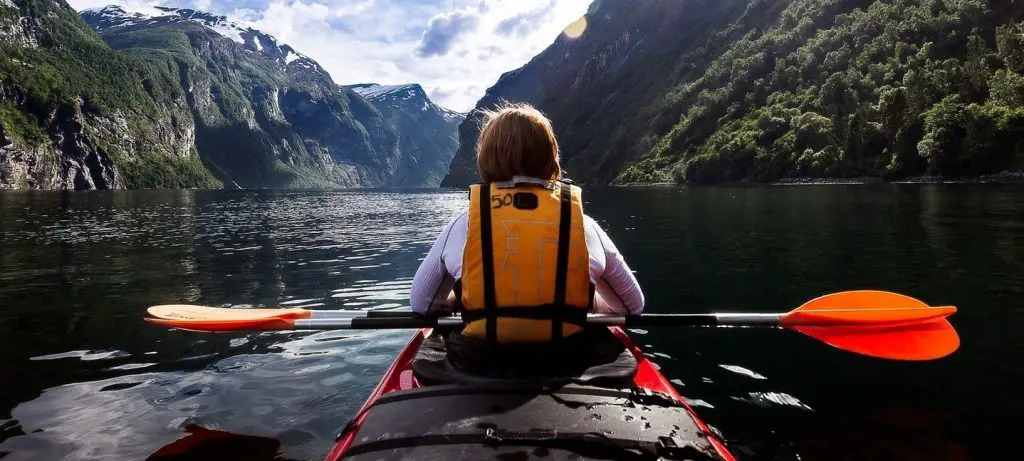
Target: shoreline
{"points": [[1006, 177]]}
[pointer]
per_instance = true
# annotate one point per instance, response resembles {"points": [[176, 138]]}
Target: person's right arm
{"points": [[433, 280]]}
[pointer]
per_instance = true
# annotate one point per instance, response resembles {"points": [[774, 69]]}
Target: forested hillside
{"points": [[893, 89], [75, 114], [764, 90]]}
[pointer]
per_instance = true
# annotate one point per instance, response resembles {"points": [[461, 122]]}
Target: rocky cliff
{"points": [[75, 114]]}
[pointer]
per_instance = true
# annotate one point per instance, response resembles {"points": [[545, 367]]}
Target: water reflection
{"points": [[201, 443], [99, 383]]}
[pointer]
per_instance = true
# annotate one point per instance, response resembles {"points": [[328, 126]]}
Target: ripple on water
{"points": [[297, 301], [238, 342], [120, 386], [86, 355], [131, 366], [743, 371], [698, 403], [238, 363], [773, 399]]}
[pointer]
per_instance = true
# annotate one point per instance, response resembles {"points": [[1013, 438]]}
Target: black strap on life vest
{"points": [[562, 266], [487, 247]]}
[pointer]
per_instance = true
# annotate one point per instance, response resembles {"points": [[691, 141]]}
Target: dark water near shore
{"points": [[83, 377]]}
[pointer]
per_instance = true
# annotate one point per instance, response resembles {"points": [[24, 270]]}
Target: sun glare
{"points": [[576, 29]]}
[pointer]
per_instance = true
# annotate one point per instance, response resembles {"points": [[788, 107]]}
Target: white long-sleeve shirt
{"points": [[616, 289]]}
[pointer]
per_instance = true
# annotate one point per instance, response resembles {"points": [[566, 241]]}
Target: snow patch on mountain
{"points": [[373, 91], [231, 31], [115, 16], [399, 94], [451, 115]]}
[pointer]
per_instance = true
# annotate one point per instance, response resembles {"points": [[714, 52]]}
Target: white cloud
{"points": [[443, 30], [456, 49]]}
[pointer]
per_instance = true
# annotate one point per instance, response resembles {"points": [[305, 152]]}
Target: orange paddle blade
{"points": [[927, 340], [240, 324], [878, 324], [190, 312], [864, 308]]}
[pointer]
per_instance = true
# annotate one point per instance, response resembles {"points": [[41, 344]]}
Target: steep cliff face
{"points": [[75, 114], [428, 134], [762, 90], [592, 86], [265, 115]]}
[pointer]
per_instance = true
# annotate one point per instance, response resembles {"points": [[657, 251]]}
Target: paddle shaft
{"points": [[810, 318], [389, 320], [598, 319]]}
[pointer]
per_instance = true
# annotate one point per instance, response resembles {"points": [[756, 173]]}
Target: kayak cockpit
{"points": [[592, 357], [447, 422], [630, 411]]}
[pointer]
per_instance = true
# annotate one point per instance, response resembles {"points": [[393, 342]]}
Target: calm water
{"points": [[82, 377]]}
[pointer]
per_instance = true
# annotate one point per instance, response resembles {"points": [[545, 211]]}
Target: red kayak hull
{"points": [[400, 377]]}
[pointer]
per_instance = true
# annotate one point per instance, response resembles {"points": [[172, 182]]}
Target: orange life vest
{"points": [[525, 267]]}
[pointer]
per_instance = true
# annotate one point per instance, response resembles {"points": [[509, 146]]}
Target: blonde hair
{"points": [[516, 140]]}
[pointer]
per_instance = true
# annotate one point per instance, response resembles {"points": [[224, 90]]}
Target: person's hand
{"points": [[445, 307]]}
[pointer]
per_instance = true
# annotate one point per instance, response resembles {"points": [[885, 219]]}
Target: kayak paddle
{"points": [[875, 323]]}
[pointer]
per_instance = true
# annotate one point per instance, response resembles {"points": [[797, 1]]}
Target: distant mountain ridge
{"points": [[375, 92], [428, 133]]}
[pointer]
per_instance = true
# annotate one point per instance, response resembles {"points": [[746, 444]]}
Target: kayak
{"points": [[404, 419]]}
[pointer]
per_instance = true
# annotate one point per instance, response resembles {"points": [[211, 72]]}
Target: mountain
{"points": [[75, 114], [265, 115], [762, 90], [428, 134], [170, 98]]}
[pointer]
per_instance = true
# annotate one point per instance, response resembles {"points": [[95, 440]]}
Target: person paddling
{"points": [[523, 264]]}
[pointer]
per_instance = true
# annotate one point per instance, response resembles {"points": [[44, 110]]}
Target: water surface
{"points": [[83, 377]]}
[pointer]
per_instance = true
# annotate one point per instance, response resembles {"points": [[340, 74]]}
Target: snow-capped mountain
{"points": [[428, 133], [267, 116], [115, 18], [409, 94]]}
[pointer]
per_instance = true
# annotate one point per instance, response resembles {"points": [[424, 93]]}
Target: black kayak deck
{"points": [[592, 357], [520, 423]]}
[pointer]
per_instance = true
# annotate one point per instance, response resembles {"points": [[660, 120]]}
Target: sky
{"points": [[455, 49]]}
